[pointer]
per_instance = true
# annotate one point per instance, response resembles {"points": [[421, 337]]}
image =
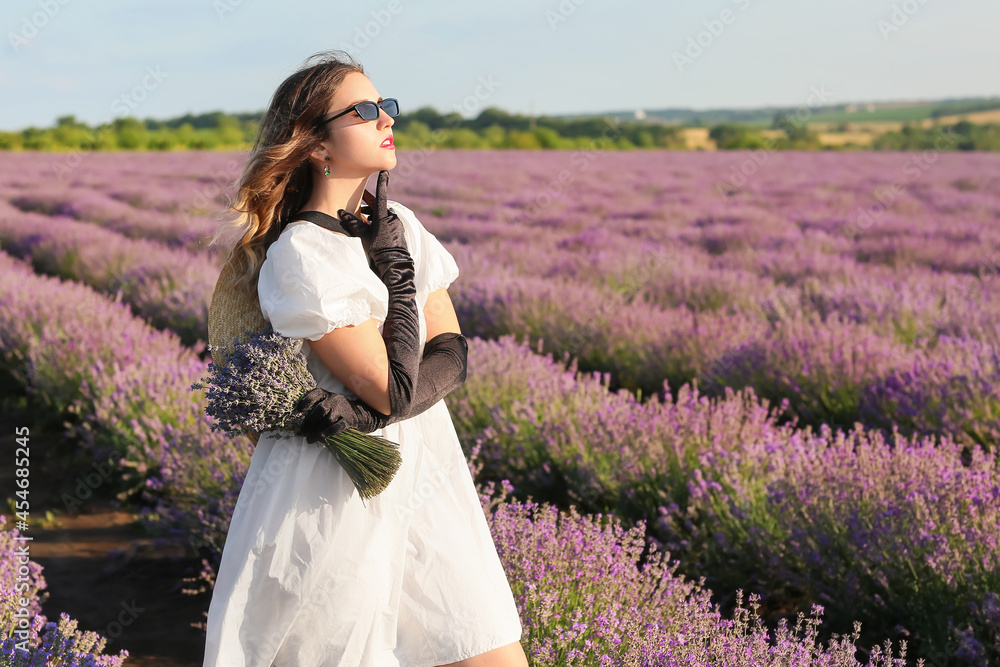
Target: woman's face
{"points": [[354, 144]]}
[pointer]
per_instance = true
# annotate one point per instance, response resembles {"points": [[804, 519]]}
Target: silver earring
{"points": [[327, 172]]}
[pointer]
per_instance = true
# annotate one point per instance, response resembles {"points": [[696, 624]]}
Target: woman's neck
{"points": [[330, 194]]}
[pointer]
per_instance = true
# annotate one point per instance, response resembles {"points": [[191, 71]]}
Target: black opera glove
{"points": [[442, 370], [385, 243]]}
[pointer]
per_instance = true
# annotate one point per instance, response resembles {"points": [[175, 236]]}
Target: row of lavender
{"points": [[575, 557], [581, 588], [27, 637], [730, 493], [804, 283], [835, 366]]}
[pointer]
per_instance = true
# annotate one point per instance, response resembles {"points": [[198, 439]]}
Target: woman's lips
{"points": [[388, 143]]}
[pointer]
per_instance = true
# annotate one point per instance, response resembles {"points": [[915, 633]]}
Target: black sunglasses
{"points": [[369, 110]]}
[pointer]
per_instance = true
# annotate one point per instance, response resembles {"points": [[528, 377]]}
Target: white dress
{"points": [[312, 576]]}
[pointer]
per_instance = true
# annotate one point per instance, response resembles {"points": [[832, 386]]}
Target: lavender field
{"points": [[695, 379]]}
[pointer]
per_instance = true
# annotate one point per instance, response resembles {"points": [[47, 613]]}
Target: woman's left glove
{"points": [[443, 368]]}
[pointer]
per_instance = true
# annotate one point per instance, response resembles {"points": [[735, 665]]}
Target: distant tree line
{"points": [[952, 108], [492, 128], [206, 132], [963, 136], [740, 136]]}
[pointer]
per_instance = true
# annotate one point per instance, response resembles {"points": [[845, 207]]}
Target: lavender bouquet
{"points": [[258, 388]]}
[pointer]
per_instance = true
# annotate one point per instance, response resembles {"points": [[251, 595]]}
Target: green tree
{"points": [[131, 134], [185, 134], [495, 136], [11, 141], [162, 140], [524, 140], [37, 139], [548, 138], [462, 137], [727, 135]]}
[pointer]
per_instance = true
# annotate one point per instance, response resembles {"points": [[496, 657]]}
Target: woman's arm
{"points": [[357, 357], [439, 313]]}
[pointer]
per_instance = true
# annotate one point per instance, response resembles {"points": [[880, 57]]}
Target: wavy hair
{"points": [[276, 181]]}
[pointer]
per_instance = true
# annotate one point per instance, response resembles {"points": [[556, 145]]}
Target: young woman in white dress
{"points": [[311, 575]]}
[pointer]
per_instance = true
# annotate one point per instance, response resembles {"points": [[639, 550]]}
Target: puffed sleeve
{"points": [[436, 268], [314, 281]]}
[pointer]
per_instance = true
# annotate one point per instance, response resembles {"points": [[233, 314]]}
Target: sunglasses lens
{"points": [[367, 110]]}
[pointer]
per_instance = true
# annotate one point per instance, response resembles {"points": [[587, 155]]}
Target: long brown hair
{"points": [[276, 181]]}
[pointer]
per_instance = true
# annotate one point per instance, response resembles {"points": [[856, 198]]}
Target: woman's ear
{"points": [[320, 153]]}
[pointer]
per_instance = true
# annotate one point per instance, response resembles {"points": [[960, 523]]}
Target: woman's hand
{"points": [[383, 238], [326, 414], [443, 369]]}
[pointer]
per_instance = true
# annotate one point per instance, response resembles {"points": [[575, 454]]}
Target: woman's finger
{"points": [[381, 196]]}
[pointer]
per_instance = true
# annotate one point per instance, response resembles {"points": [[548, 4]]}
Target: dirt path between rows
{"points": [[100, 566]]}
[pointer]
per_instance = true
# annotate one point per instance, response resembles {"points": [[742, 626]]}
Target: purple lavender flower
{"points": [[258, 388], [38, 641]]}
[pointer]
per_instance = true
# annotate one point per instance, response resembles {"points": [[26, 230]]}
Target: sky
{"points": [[104, 59]]}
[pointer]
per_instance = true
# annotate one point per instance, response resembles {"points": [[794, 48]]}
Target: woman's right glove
{"points": [[385, 243]]}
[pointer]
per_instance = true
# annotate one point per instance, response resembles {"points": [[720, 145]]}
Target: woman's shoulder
{"points": [[303, 233], [302, 238], [305, 243], [306, 229]]}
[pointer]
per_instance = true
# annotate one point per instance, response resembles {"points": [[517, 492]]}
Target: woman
{"points": [[310, 575]]}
